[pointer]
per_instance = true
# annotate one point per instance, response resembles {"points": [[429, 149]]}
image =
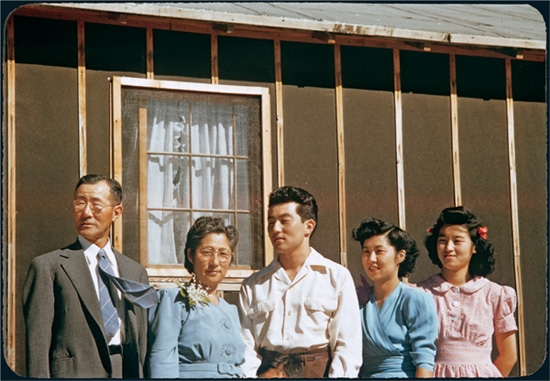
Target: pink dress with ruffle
{"points": [[469, 316]]}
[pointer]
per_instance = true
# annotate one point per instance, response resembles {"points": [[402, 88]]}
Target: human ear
{"points": [[117, 212], [310, 225], [401, 256]]}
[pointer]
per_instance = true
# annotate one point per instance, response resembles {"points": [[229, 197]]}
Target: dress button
{"points": [[456, 303], [456, 290], [454, 318]]}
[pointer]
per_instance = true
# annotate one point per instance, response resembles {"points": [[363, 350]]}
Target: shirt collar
{"points": [[440, 285], [91, 250], [314, 261]]}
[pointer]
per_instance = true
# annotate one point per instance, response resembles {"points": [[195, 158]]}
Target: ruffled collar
{"points": [[441, 286]]}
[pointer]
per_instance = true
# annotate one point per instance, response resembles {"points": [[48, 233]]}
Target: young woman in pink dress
{"points": [[471, 309]]}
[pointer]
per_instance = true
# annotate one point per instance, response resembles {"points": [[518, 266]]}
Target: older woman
{"points": [[192, 332]]}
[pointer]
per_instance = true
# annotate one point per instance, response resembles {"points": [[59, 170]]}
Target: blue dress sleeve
{"points": [[421, 319], [164, 330]]}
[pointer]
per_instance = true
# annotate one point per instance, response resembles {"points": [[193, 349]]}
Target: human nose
{"points": [[215, 259], [449, 246], [372, 257], [276, 227], [87, 211]]}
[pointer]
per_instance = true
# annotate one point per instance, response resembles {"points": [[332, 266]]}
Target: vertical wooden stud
{"points": [[399, 139], [82, 128], [515, 214], [280, 118], [454, 132], [12, 210], [142, 154], [116, 150], [341, 155], [214, 58], [150, 63], [266, 179]]}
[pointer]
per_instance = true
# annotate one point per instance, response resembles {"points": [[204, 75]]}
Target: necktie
{"points": [[108, 310], [140, 294]]}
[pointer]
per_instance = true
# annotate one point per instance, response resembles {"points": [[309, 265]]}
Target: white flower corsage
{"points": [[194, 294]]}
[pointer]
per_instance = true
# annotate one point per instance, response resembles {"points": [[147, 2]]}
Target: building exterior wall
{"points": [[47, 138]]}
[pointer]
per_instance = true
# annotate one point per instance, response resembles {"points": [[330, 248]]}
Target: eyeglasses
{"points": [[207, 254], [96, 208]]}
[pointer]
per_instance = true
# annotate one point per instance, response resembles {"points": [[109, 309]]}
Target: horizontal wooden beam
{"points": [[251, 31]]}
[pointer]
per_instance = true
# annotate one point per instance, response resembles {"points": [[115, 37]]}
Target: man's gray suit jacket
{"points": [[65, 334]]}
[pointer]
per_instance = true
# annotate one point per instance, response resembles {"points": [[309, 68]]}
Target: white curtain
{"points": [[172, 179]]}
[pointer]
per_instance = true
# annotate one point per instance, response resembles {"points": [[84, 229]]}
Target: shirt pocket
{"points": [[320, 310], [259, 313]]}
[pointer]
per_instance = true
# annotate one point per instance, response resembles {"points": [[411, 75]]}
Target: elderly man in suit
{"points": [[81, 322]]}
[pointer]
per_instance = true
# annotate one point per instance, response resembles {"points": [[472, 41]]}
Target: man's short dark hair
{"points": [[116, 189], [307, 206]]}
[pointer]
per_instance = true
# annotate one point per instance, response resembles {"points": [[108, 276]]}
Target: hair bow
{"points": [[430, 230], [482, 231]]}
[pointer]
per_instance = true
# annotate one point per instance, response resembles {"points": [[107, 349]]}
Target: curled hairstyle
{"points": [[114, 186], [200, 229], [307, 206], [398, 238], [482, 262]]}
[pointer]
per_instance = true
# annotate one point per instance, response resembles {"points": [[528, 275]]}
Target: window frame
{"points": [[164, 275]]}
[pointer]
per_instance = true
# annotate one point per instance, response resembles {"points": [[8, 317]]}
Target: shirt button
{"points": [[287, 338], [289, 313], [456, 290], [456, 303]]}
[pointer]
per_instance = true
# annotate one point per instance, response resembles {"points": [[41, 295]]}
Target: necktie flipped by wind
{"points": [[138, 293], [108, 310]]}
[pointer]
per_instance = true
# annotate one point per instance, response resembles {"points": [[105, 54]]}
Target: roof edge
{"points": [[306, 25]]}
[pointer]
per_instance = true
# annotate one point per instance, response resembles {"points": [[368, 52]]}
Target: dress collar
{"points": [[441, 286]]}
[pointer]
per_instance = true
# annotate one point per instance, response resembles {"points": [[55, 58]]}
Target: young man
{"points": [[78, 324], [301, 303]]}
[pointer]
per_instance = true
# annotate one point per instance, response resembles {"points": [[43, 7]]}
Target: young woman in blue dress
{"points": [[399, 322], [192, 332]]}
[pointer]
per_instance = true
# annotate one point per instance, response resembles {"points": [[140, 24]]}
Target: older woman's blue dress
{"points": [[197, 342], [400, 336]]}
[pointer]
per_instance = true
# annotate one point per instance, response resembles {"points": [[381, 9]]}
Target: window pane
{"points": [[166, 235], [213, 183], [245, 246], [242, 123], [228, 218], [167, 181], [168, 126], [212, 128], [243, 185]]}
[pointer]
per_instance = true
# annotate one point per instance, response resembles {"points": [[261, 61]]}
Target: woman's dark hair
{"points": [[307, 206], [200, 229], [482, 262], [398, 238]]}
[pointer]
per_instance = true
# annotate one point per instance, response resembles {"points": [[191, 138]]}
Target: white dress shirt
{"points": [[91, 252], [319, 308]]}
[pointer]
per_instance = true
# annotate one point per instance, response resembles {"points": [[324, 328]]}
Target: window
{"points": [[185, 150]]}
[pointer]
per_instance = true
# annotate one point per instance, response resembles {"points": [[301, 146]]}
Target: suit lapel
{"points": [[75, 266], [126, 267]]}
